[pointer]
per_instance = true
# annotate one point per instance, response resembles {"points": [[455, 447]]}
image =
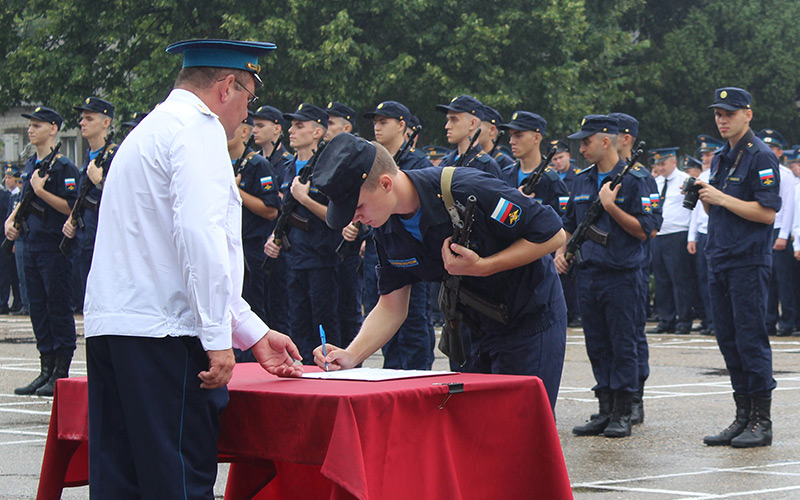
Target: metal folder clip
{"points": [[453, 388]]}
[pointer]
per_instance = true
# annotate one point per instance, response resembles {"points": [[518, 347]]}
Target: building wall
{"points": [[14, 134]]}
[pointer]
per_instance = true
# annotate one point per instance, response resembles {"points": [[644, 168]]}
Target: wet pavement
{"points": [[687, 397]]}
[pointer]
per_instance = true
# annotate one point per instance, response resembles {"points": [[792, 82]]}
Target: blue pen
{"points": [[324, 349]]}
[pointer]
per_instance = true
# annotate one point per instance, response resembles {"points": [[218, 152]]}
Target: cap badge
{"points": [[253, 67], [88, 100], [723, 94], [299, 107], [330, 105], [380, 106], [453, 99], [583, 122], [515, 116], [37, 109]]}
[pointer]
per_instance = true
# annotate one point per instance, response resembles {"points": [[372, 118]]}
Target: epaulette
{"points": [[585, 170], [751, 146], [62, 159], [483, 157], [639, 172], [551, 174]]}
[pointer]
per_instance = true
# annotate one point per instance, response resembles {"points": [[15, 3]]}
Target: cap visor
{"points": [[294, 116], [581, 134], [506, 126], [724, 106], [443, 108], [341, 214]]}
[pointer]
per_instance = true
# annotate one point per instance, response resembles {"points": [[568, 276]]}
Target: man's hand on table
{"points": [[276, 353]]}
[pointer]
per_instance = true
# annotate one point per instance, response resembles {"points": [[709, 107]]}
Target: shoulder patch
{"points": [[639, 172], [69, 183], [506, 213], [483, 157], [551, 174], [767, 176], [62, 159]]}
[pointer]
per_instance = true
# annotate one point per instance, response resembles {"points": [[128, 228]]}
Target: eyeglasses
{"points": [[253, 98]]}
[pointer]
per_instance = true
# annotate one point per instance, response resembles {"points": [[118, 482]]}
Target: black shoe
{"points": [[682, 330], [620, 424], [21, 312], [785, 332], [575, 323], [759, 426], [596, 426], [47, 363], [707, 331], [4, 310], [698, 328], [737, 427], [61, 371], [659, 329]]}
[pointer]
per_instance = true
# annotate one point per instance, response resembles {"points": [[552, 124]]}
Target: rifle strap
{"points": [[446, 182]]}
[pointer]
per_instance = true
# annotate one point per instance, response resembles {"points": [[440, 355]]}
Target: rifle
{"points": [[496, 142], [586, 230], [275, 147], [289, 206], [27, 204], [529, 186], [239, 165], [83, 202], [460, 160]]}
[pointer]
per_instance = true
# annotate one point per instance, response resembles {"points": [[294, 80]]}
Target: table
{"points": [[301, 438]]}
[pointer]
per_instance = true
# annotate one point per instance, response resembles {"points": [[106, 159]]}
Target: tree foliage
{"points": [[659, 61]]}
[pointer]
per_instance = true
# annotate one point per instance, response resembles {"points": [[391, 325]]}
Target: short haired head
{"points": [[341, 110], [45, 114], [463, 104], [627, 124], [525, 120], [732, 98], [308, 113], [596, 124], [270, 114], [390, 109], [96, 105]]}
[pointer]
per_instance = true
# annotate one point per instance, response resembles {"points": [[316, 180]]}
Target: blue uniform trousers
{"points": [[369, 295], [152, 429], [48, 276], [702, 279], [609, 301], [255, 280], [738, 302], [781, 289], [642, 349], [277, 295], [523, 351], [671, 267], [19, 252], [9, 281], [570, 296], [349, 309], [81, 262], [313, 298], [411, 348]]}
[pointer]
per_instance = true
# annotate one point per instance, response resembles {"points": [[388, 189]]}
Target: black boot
{"points": [[61, 371], [740, 422], [620, 424], [637, 405], [48, 363], [595, 426], [759, 426]]}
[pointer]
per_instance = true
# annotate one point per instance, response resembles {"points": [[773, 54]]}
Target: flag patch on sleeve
{"points": [[655, 199], [69, 183], [646, 204], [767, 177], [506, 213], [562, 202], [266, 183]]}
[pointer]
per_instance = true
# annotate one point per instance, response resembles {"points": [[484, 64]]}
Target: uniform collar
{"points": [[188, 97], [427, 183]]}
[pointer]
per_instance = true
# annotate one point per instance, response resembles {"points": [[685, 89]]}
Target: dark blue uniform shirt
{"points": [[622, 251], [45, 233], [550, 191], [279, 161], [476, 158], [86, 236], [316, 247], [259, 180], [569, 177], [502, 216], [503, 160], [732, 240]]}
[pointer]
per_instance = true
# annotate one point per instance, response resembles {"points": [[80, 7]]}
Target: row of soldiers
{"points": [[315, 281]]}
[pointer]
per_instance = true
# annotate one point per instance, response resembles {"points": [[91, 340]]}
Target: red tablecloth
{"points": [[297, 439]]}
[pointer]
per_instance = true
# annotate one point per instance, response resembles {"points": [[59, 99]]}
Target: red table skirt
{"points": [[296, 439]]}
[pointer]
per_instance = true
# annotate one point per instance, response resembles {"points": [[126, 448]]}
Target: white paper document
{"points": [[374, 374]]}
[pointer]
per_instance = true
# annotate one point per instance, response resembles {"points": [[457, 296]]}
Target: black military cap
{"points": [[216, 53], [627, 123], [249, 119], [308, 113], [772, 138], [560, 145], [390, 109], [96, 105], [135, 119], [342, 110], [732, 98], [596, 124], [342, 168], [269, 113], [413, 121], [492, 116], [463, 104], [525, 120], [45, 114]]}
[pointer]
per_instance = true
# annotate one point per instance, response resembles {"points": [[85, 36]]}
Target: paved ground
{"points": [[687, 396]]}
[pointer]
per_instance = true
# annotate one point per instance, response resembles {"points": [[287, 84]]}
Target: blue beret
{"points": [[390, 109], [692, 162], [627, 123], [463, 104], [45, 114], [338, 109], [214, 53], [435, 152], [525, 120], [708, 144], [732, 98], [341, 169], [772, 138], [269, 113], [492, 116], [596, 124], [661, 154], [136, 118], [96, 105], [308, 113]]}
